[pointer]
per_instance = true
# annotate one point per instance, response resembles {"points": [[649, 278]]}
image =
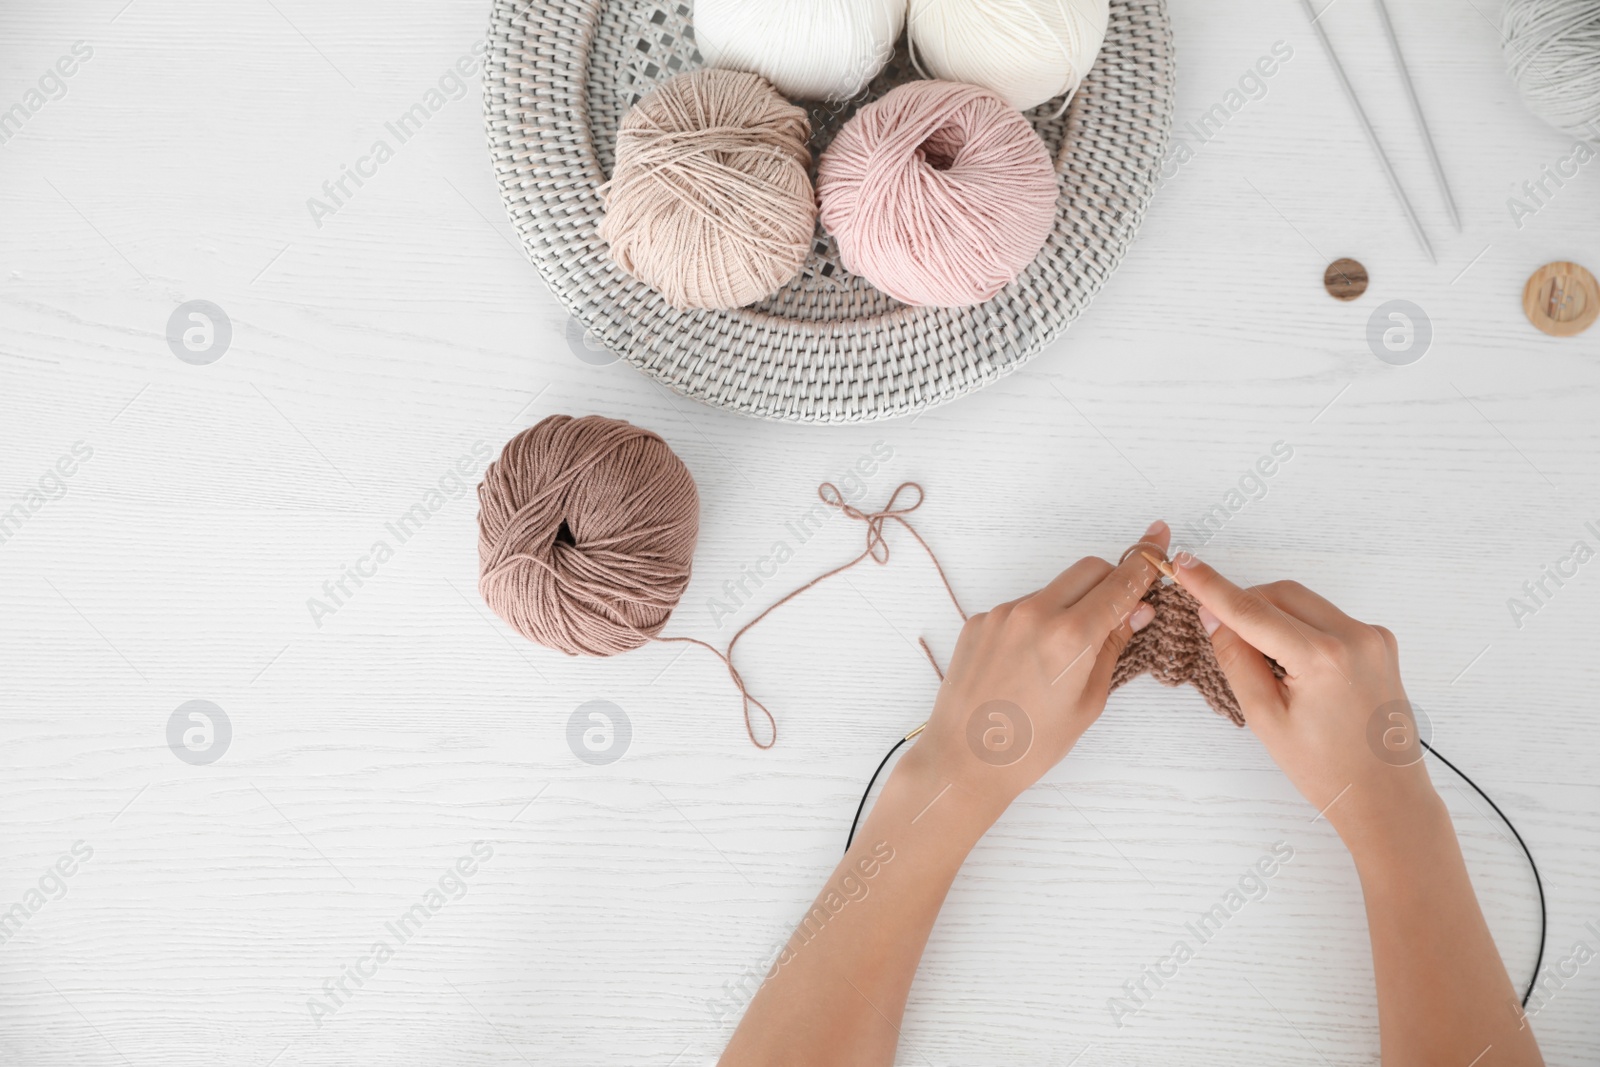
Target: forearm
{"points": [[837, 991], [1443, 992]]}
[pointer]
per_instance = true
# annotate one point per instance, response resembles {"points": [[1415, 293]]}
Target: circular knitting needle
{"points": [[1372, 135], [1422, 120]]}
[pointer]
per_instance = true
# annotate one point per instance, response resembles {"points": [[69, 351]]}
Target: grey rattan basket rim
{"points": [[828, 347]]}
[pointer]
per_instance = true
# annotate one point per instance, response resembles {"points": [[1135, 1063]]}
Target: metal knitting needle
{"points": [[1422, 121], [1372, 135]]}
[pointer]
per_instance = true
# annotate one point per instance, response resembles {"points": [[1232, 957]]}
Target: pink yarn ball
{"points": [[939, 193]]}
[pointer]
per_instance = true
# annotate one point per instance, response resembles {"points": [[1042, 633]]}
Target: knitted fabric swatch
{"points": [[1175, 649]]}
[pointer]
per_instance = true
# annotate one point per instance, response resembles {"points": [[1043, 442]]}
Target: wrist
{"points": [[961, 813], [1398, 831]]}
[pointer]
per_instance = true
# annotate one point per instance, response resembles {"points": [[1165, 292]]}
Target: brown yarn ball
{"points": [[586, 532], [710, 202]]}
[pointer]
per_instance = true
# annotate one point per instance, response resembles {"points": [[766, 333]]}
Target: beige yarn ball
{"points": [[710, 202]]}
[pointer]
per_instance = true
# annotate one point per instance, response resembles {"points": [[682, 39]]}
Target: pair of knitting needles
{"points": [[1372, 136]]}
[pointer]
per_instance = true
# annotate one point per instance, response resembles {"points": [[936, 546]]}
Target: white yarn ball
{"points": [[808, 49], [1553, 51], [1028, 51]]}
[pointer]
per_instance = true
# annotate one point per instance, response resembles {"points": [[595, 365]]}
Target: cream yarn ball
{"points": [[809, 49], [1552, 48], [1028, 51]]}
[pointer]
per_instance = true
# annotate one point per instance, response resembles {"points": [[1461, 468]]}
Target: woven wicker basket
{"points": [[828, 347]]}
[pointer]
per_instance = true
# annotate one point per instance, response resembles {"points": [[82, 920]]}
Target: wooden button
{"points": [[1562, 299], [1345, 279]]}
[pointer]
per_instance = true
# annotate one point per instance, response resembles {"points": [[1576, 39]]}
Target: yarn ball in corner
{"points": [[939, 193], [586, 532], [710, 202], [1028, 51], [810, 50], [1552, 50]]}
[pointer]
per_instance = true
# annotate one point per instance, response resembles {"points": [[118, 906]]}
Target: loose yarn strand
{"points": [[877, 550], [738, 682]]}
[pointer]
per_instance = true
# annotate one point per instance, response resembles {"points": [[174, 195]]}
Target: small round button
{"points": [[1562, 299], [1345, 279]]}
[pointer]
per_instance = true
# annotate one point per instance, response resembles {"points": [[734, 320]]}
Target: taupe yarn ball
{"points": [[710, 202], [586, 533]]}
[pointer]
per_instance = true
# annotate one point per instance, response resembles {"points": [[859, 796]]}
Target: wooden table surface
{"points": [[179, 520]]}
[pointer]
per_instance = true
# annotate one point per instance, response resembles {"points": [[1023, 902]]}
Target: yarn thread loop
{"points": [[877, 547]]}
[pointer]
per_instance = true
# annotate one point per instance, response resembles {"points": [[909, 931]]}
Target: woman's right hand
{"points": [[1338, 723]]}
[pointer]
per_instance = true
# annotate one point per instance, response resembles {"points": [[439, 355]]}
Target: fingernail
{"points": [[1156, 529], [1184, 559], [1208, 620], [1142, 616]]}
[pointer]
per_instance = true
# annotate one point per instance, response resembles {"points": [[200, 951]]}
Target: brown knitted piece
{"points": [[1175, 649]]}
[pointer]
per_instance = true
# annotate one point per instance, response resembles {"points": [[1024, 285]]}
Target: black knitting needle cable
{"points": [[1537, 881], [865, 793]]}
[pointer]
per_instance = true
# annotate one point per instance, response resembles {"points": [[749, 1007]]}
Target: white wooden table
{"points": [[372, 745]]}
